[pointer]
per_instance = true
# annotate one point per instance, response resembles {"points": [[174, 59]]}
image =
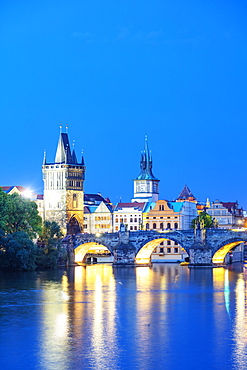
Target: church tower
{"points": [[63, 188], [146, 186]]}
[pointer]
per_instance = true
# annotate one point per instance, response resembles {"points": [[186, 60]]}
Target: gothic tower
{"points": [[63, 188], [146, 186]]}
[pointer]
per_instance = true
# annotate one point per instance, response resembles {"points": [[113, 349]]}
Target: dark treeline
{"points": [[25, 242]]}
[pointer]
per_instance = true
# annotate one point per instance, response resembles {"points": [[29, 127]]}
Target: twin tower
{"points": [[64, 186]]}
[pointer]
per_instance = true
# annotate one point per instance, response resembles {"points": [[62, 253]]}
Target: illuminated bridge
{"points": [[204, 247]]}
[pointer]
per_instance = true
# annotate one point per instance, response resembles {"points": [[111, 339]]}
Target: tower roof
{"points": [[63, 152], [146, 164], [186, 193]]}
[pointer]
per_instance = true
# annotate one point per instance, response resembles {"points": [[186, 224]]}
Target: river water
{"points": [[101, 317]]}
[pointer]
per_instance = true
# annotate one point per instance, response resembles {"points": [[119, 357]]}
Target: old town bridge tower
{"points": [[63, 188]]}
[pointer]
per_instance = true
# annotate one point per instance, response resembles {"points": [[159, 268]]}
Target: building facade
{"points": [[97, 214], [228, 214]]}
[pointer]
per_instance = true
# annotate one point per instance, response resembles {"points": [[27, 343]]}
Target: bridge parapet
{"points": [[201, 245]]}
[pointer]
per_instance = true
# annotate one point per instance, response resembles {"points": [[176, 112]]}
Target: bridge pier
{"points": [[124, 251], [200, 255]]}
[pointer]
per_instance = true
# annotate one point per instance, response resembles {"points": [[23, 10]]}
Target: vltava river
{"points": [[102, 317]]}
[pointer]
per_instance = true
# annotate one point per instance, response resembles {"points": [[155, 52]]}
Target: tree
{"points": [[207, 220], [17, 251], [50, 234], [19, 214], [50, 245]]}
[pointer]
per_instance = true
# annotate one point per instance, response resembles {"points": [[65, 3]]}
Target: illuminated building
{"points": [[97, 214], [63, 188], [228, 214], [164, 215], [129, 214]]}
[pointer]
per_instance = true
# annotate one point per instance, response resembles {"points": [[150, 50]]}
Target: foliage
{"points": [[19, 223], [19, 214], [50, 245], [204, 219], [17, 251], [47, 257], [50, 234]]}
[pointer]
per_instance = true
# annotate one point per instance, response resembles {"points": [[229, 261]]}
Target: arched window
{"points": [[154, 226], [162, 226], [75, 201], [168, 225], [147, 226], [176, 225]]}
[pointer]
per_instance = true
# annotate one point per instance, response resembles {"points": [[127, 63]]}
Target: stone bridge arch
{"points": [[78, 245], [224, 247], [147, 245]]}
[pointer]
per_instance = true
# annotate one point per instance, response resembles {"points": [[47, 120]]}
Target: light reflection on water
{"points": [[102, 317]]}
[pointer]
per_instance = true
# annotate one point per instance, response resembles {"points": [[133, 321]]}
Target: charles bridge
{"points": [[204, 246]]}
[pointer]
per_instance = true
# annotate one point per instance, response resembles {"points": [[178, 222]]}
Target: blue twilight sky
{"points": [[117, 70]]}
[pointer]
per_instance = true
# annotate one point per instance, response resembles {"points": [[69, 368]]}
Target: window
{"points": [[176, 225], [175, 250], [85, 226], [161, 207], [154, 226], [162, 250], [168, 225], [131, 227], [162, 243], [168, 250], [147, 226], [168, 242], [135, 220], [135, 227], [116, 228], [116, 220], [162, 226], [121, 220], [74, 201], [131, 220], [175, 243]]}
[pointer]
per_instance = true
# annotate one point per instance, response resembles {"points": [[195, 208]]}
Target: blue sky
{"points": [[115, 71]]}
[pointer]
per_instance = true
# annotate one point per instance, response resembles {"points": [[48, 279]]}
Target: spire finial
{"points": [[44, 159], [67, 127], [73, 144], [61, 128]]}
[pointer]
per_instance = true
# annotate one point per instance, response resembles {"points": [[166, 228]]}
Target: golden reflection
{"points": [[219, 256], [240, 328], [100, 279], [54, 333]]}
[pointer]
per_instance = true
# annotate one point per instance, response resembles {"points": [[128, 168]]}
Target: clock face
{"points": [[141, 187]]}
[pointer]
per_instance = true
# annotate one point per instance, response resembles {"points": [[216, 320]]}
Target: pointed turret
{"points": [[146, 164], [63, 153], [44, 158]]}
